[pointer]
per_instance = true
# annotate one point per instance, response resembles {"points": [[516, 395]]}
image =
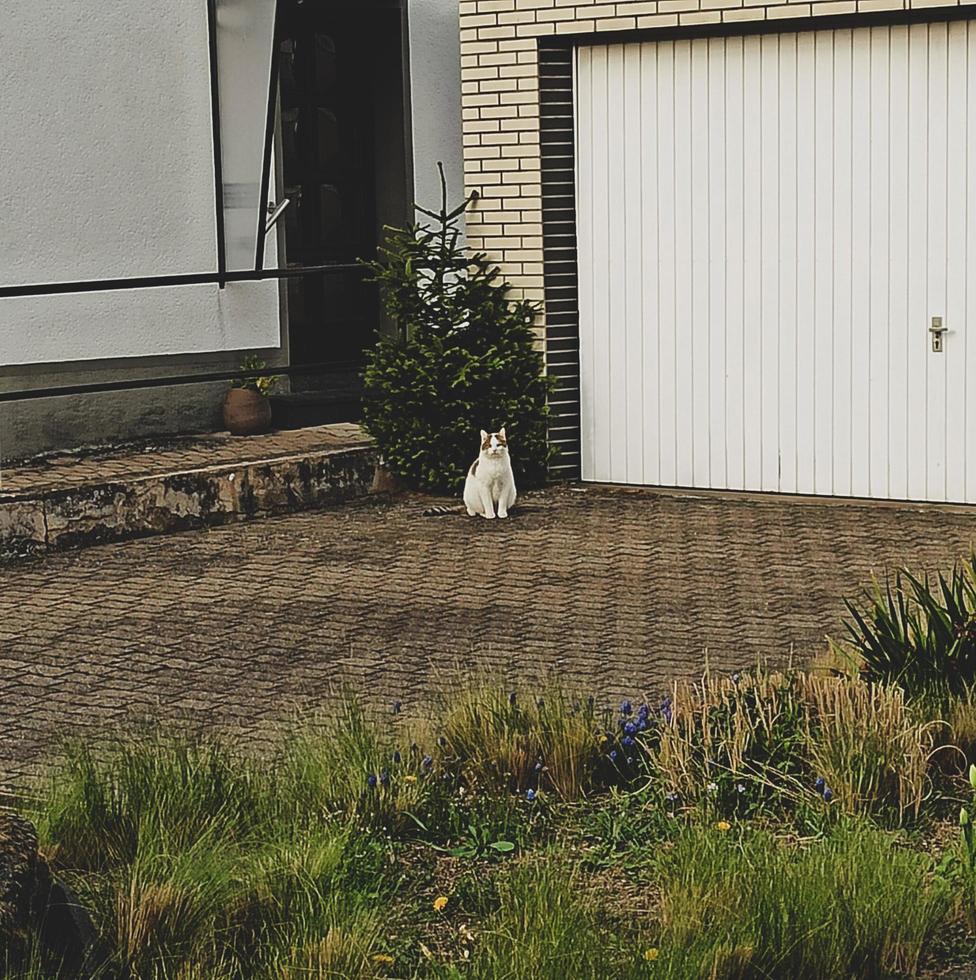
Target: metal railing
{"points": [[134, 384]]}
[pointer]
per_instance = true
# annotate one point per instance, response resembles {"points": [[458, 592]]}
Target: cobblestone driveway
{"points": [[619, 589]]}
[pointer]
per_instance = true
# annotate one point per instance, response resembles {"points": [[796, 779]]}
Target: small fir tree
{"points": [[463, 358]]}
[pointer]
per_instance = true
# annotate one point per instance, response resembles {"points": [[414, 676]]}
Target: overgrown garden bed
{"points": [[806, 824]]}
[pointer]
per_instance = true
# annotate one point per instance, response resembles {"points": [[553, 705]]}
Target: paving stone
{"points": [[620, 591]]}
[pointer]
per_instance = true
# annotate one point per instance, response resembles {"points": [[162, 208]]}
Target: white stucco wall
{"points": [[435, 97], [106, 170]]}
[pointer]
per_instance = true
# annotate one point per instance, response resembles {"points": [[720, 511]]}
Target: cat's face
{"points": [[494, 443]]}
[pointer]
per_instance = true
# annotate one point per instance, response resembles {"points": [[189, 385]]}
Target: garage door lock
{"points": [[937, 330]]}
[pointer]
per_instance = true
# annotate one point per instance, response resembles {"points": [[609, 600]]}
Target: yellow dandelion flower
{"points": [[383, 959], [409, 779], [440, 903], [651, 954], [723, 825]]}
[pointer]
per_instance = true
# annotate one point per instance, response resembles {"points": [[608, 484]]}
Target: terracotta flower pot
{"points": [[246, 412]]}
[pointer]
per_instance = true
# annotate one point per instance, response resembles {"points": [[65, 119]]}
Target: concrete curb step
{"points": [[94, 512]]}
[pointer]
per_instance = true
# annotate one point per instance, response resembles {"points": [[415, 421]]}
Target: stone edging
{"points": [[159, 503]]}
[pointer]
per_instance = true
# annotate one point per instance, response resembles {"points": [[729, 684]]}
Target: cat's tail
{"points": [[441, 511]]}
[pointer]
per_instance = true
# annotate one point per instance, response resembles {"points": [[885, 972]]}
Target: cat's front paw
{"points": [[503, 513], [489, 516]]}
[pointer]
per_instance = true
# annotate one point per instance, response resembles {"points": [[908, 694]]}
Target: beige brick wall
{"points": [[500, 98]]}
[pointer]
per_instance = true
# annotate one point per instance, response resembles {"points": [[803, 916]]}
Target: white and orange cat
{"points": [[489, 489]]}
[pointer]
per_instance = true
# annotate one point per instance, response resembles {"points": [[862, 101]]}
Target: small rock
{"points": [[384, 481], [18, 873], [35, 903]]}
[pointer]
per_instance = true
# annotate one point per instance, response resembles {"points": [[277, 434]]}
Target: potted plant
{"points": [[247, 410]]}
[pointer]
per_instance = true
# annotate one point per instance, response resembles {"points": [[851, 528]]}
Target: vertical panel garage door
{"points": [[767, 228]]}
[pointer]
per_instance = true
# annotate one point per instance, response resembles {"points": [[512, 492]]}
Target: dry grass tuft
{"points": [[777, 733], [745, 728], [504, 739], [868, 744]]}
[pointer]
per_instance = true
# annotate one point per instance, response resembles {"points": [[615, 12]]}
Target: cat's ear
{"points": [[501, 432], [484, 435]]}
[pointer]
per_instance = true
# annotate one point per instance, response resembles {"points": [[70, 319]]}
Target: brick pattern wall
{"points": [[500, 68]]}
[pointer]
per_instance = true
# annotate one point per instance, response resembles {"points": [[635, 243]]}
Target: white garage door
{"points": [[767, 228]]}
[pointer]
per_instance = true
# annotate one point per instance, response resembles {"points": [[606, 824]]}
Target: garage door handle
{"points": [[937, 330]]}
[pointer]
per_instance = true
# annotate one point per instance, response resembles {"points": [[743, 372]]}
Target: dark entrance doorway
{"points": [[345, 171]]}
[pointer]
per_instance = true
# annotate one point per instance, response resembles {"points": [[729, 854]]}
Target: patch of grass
{"points": [[505, 740], [624, 828], [98, 806], [954, 725], [476, 892], [168, 903], [332, 943], [28, 962], [868, 746], [199, 863], [346, 763], [734, 743], [546, 928], [853, 905], [786, 743]]}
